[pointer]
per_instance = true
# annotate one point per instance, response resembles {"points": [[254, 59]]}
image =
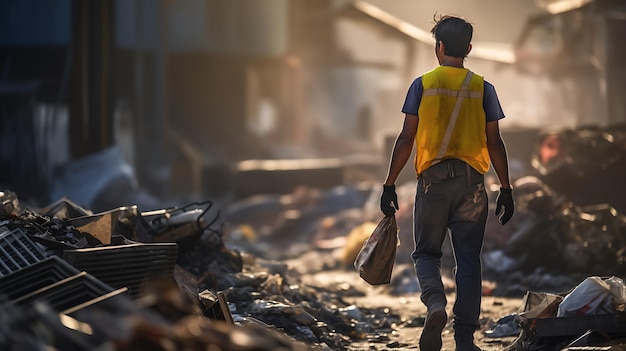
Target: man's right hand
{"points": [[389, 200]]}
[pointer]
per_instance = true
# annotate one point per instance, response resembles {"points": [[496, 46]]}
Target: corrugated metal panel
{"points": [[35, 277], [67, 293], [17, 251], [126, 265]]}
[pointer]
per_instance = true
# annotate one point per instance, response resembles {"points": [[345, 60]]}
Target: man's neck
{"points": [[452, 62]]}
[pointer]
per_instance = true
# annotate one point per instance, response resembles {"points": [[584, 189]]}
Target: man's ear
{"points": [[441, 48], [469, 49]]}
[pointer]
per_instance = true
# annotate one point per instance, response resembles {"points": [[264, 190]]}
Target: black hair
{"points": [[454, 32]]}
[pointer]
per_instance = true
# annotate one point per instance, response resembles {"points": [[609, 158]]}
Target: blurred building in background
{"points": [[576, 45], [173, 94]]}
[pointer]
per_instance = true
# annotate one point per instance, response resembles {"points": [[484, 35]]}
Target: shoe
{"points": [[431, 335]]}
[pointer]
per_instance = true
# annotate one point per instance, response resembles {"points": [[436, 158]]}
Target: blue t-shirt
{"points": [[491, 104]]}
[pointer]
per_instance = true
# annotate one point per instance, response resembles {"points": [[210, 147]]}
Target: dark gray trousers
{"points": [[451, 197]]}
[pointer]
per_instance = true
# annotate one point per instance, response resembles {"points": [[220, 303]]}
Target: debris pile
{"points": [[195, 275], [549, 245], [585, 164], [158, 280], [570, 218], [590, 315]]}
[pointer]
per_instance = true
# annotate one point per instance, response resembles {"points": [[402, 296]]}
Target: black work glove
{"points": [[505, 199], [389, 200]]}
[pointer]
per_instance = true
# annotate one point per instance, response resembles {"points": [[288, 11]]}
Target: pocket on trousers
{"points": [[473, 207], [432, 209]]}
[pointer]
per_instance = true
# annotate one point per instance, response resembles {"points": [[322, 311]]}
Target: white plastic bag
{"points": [[618, 292], [594, 296]]}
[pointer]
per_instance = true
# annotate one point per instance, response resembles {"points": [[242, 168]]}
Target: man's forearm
{"points": [[401, 153], [499, 160]]}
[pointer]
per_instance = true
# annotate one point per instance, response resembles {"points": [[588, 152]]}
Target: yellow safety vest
{"points": [[468, 140]]}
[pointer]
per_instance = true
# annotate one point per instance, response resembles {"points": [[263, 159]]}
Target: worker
{"points": [[451, 115]]}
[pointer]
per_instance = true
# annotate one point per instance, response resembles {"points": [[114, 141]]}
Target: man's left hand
{"points": [[505, 200]]}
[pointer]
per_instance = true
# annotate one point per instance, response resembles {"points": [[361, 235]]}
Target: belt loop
{"points": [[451, 170], [425, 182], [467, 171]]}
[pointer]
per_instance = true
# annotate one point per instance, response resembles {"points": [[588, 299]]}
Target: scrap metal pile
{"points": [[159, 280]]}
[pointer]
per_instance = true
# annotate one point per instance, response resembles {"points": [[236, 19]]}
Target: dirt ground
{"points": [[406, 337]]}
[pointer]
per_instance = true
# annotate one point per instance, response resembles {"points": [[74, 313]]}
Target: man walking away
{"points": [[451, 115]]}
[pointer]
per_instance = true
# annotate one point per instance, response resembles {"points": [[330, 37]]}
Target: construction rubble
{"points": [[158, 280], [199, 277]]}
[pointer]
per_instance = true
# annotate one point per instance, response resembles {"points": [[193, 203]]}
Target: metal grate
{"points": [[67, 293], [17, 251], [36, 276], [126, 265], [109, 301]]}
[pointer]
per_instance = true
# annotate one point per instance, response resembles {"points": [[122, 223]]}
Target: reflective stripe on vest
{"points": [[460, 96], [450, 92]]}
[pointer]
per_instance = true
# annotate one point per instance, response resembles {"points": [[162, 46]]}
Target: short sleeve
{"points": [[491, 104], [413, 97]]}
